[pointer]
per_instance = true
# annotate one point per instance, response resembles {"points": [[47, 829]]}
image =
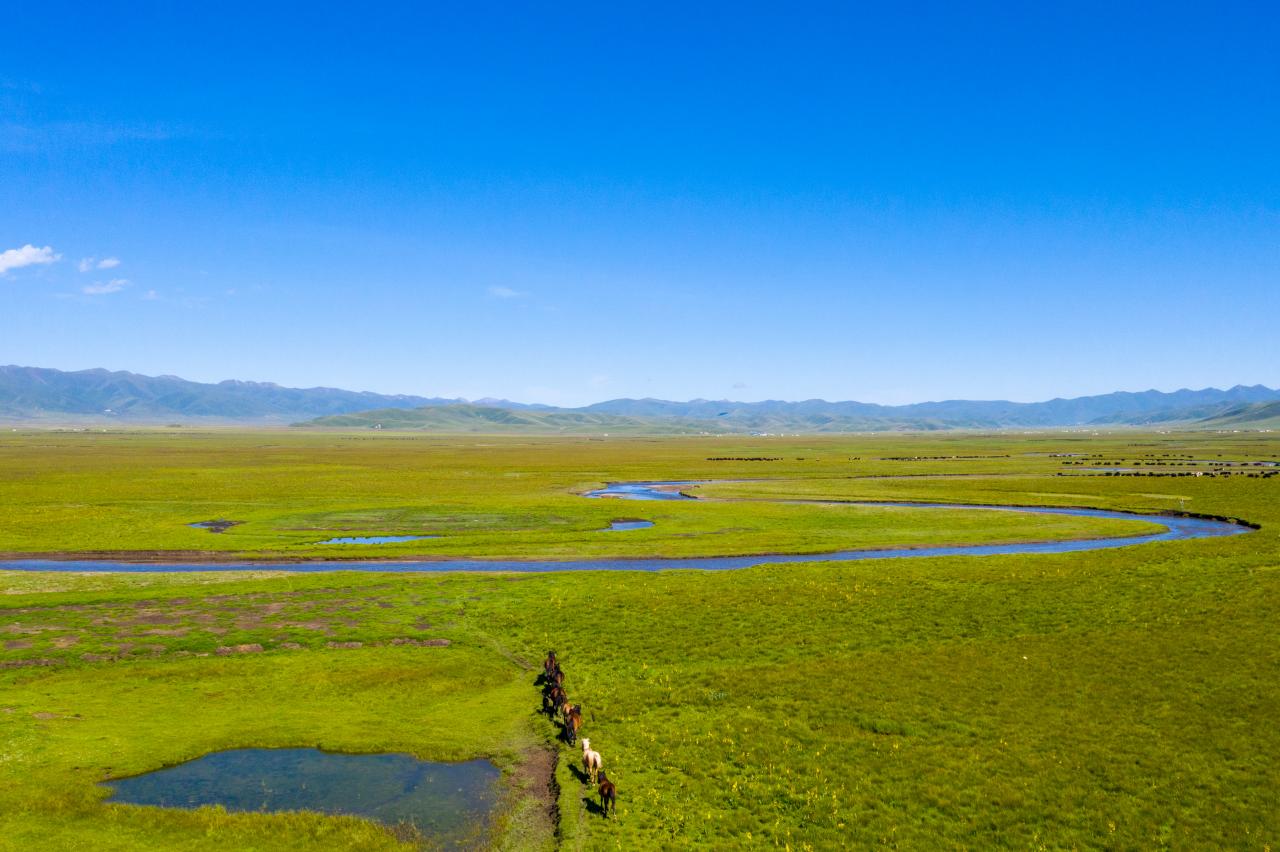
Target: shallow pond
{"points": [[619, 526], [449, 803]]}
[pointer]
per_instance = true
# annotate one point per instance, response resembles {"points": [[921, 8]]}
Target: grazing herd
{"points": [[555, 703]]}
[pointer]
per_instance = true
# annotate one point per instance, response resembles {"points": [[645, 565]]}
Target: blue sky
{"points": [[565, 203]]}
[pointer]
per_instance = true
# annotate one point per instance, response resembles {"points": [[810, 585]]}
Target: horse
{"points": [[591, 761], [608, 795], [556, 699], [548, 679], [550, 664], [572, 722]]}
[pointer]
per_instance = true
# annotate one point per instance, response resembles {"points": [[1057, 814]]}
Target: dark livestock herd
{"points": [[555, 703]]}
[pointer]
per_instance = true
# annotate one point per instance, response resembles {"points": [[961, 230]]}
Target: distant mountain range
{"points": [[1122, 407], [35, 392], [32, 393]]}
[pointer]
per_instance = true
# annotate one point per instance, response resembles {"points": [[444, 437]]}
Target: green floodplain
{"points": [[1121, 698]]}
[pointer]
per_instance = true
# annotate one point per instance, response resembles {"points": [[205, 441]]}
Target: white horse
{"points": [[591, 761]]}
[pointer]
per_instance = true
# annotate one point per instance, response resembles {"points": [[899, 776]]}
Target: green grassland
{"points": [[138, 492], [1120, 698]]}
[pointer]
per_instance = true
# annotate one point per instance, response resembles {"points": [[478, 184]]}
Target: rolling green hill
{"points": [[479, 418], [1258, 415]]}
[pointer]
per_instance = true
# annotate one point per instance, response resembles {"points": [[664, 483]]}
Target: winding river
{"points": [[1176, 528]]}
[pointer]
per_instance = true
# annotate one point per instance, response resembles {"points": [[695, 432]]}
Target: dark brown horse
{"points": [[608, 795], [553, 700], [550, 664], [550, 685]]}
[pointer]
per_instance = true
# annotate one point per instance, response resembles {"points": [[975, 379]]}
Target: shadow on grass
{"points": [[593, 805]]}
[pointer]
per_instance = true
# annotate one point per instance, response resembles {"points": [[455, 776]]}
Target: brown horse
{"points": [[549, 686], [550, 664], [608, 795], [572, 723], [553, 700]]}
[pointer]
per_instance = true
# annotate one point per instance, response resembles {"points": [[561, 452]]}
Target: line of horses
{"points": [[555, 703]]}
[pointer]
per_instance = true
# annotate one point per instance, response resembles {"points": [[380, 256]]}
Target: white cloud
{"points": [[150, 296], [87, 264], [504, 293], [28, 255], [115, 285]]}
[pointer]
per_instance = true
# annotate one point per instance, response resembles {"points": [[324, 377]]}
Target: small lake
{"points": [[376, 539], [449, 803], [619, 526]]}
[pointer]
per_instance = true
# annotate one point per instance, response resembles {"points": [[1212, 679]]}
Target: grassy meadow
{"points": [[1119, 698]]}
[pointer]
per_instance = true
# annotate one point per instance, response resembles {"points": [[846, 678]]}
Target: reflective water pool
{"points": [[449, 803], [618, 526]]}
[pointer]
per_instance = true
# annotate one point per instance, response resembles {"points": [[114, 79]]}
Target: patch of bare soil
{"points": [[535, 777], [153, 617], [250, 648], [322, 626], [29, 629]]}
